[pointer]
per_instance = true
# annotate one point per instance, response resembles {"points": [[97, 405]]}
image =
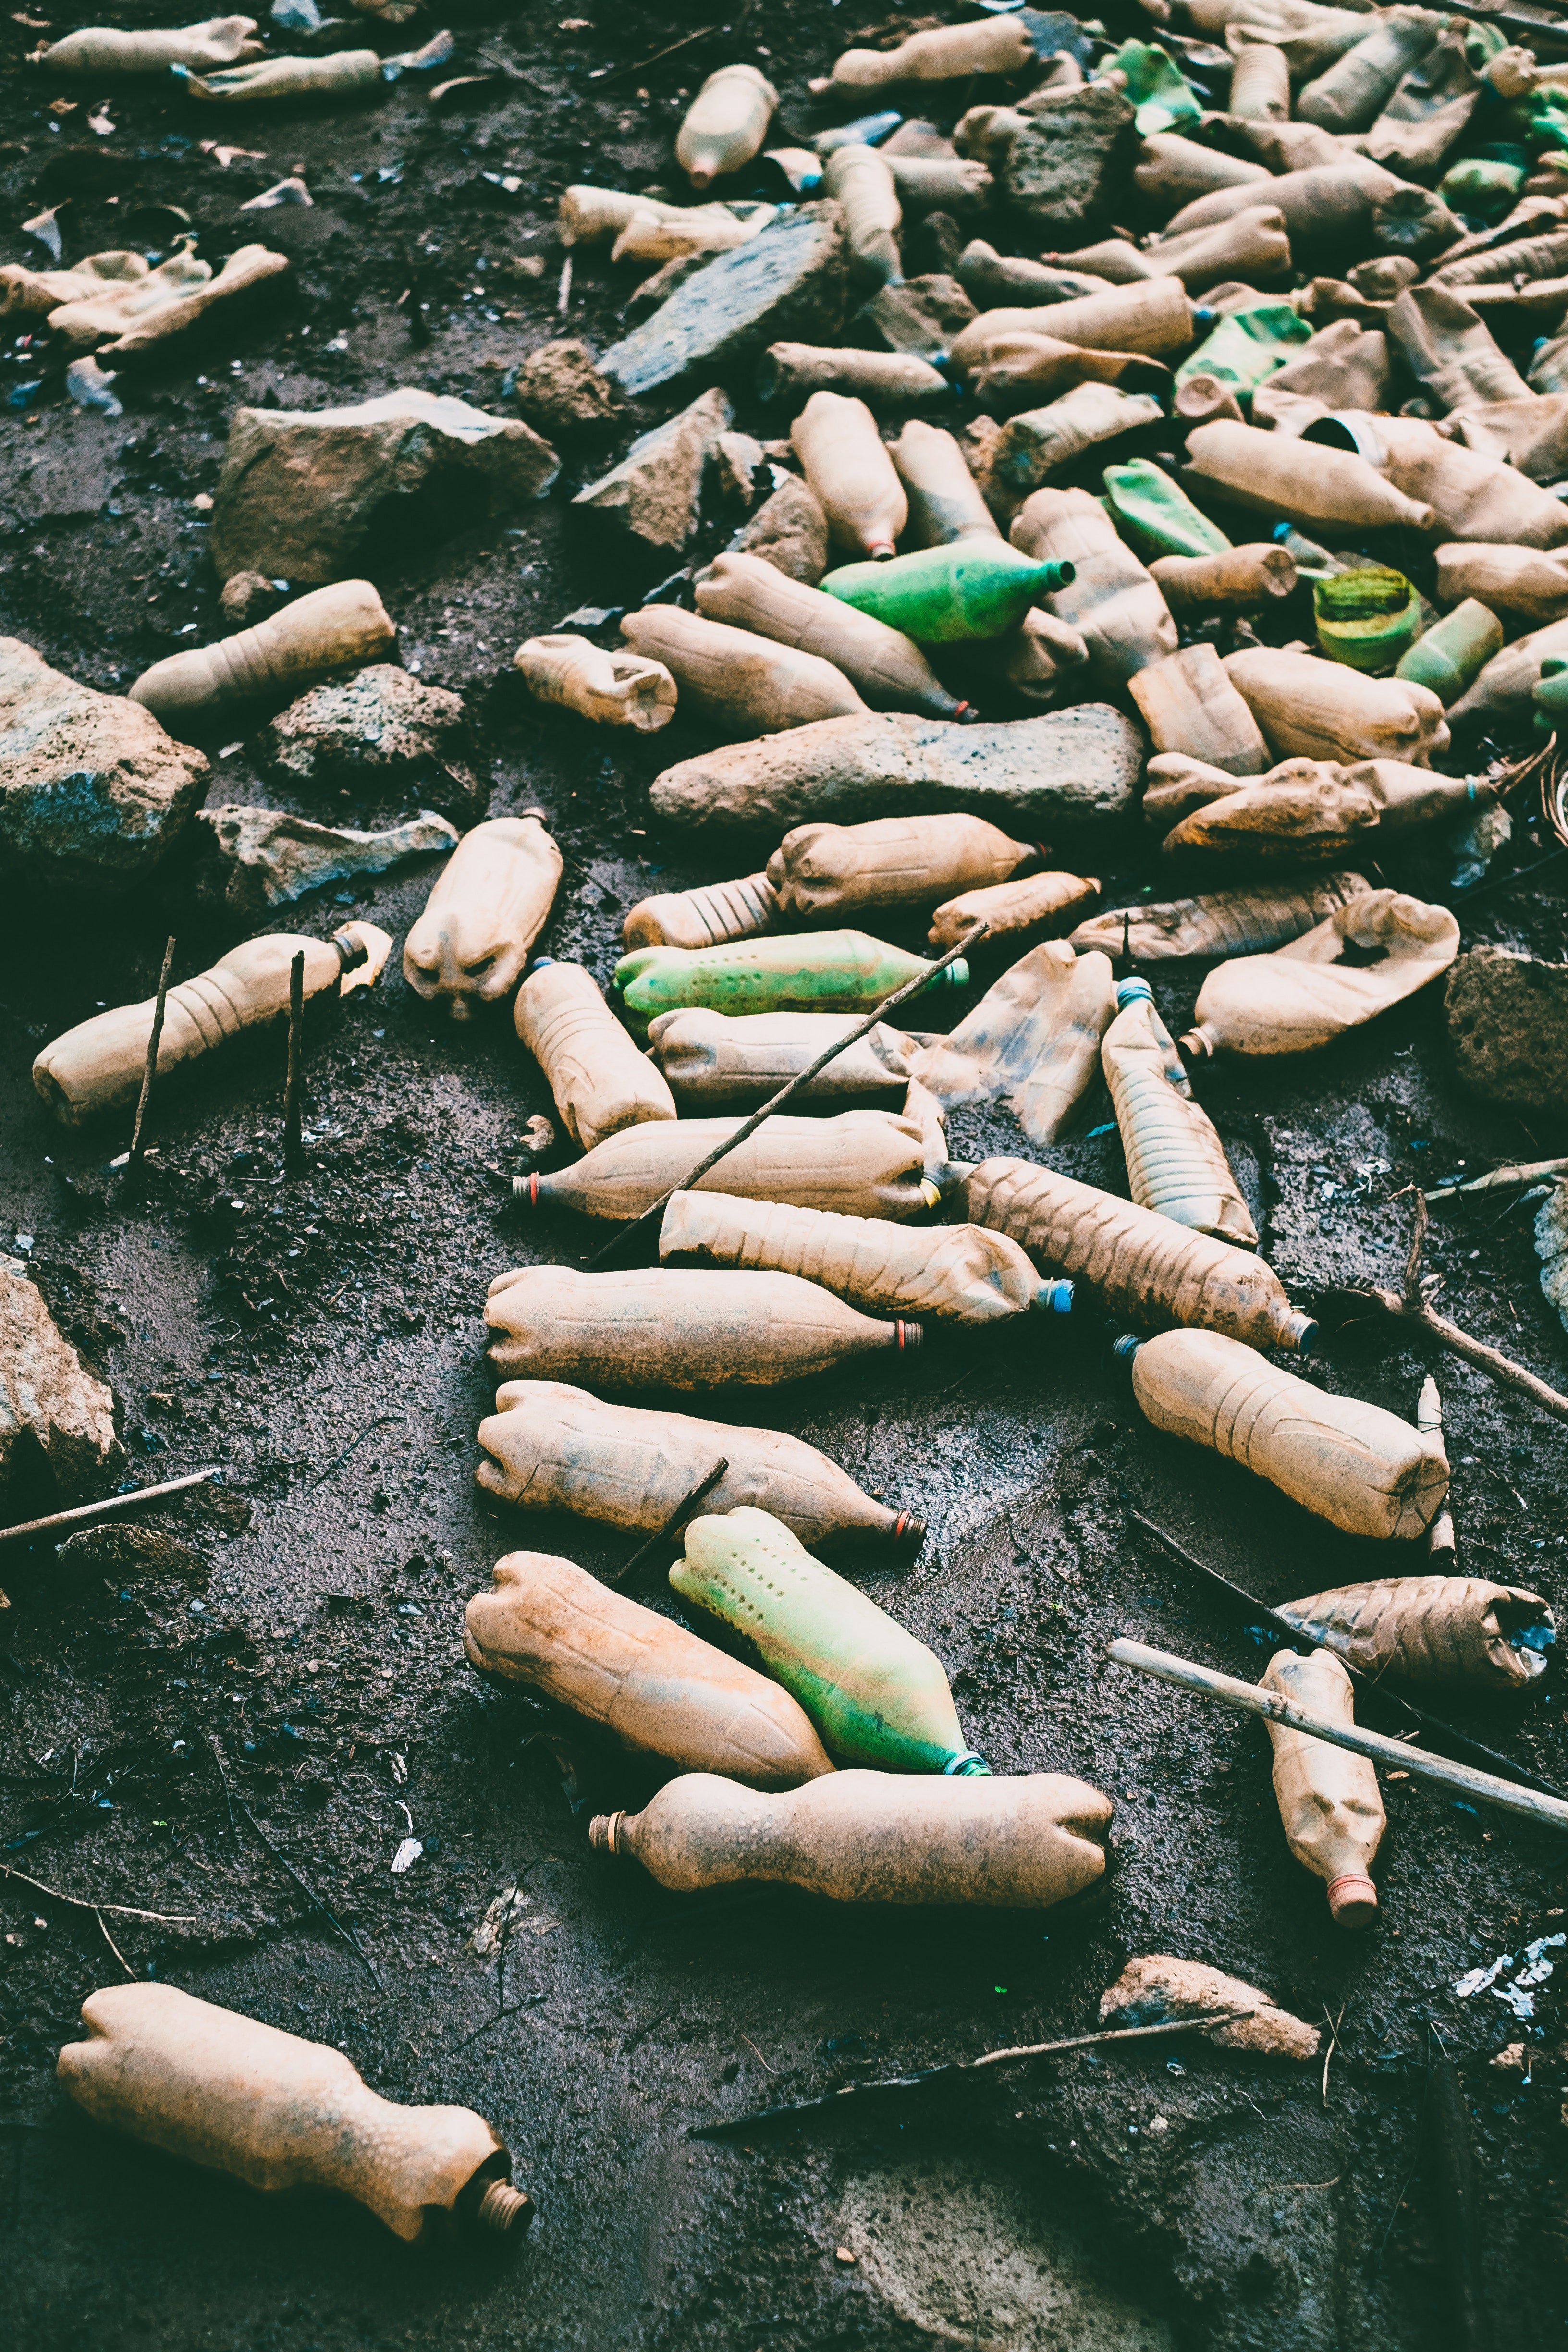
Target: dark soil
{"points": [[239, 1719]]}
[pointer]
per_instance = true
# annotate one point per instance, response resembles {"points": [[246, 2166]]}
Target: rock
{"points": [[788, 531], [933, 244], [247, 598], [51, 1404], [1063, 171], [380, 729], [560, 391], [259, 858], [1508, 1026], [786, 284], [1051, 776], [1552, 1249], [1155, 1987], [118, 1551], [663, 283], [303, 492], [915, 314], [93, 794], [655, 492], [736, 460]]}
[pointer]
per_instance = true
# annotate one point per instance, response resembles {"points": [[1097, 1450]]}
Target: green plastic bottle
{"points": [[1368, 619], [1454, 651], [875, 1694], [814, 971], [1246, 347], [1160, 97], [1156, 514], [1483, 186], [941, 595], [1551, 696]]}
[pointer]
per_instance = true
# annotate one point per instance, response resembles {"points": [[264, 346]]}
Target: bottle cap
{"points": [[966, 1766], [1133, 991], [957, 973], [539, 963], [1054, 1298], [1204, 319], [1352, 1900], [907, 1528], [1122, 1350], [931, 1191], [906, 1336], [882, 552], [605, 1832], [526, 1189]]}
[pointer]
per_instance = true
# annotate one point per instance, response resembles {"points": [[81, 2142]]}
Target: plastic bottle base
{"points": [[1352, 1900]]}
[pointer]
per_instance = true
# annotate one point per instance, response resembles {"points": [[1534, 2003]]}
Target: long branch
{"points": [[1413, 1307]]}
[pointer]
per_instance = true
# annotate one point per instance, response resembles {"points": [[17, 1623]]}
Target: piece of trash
{"points": [[46, 228], [705, 918], [1177, 1163], [601, 1083], [885, 666], [101, 123], [500, 1922], [1440, 1631], [489, 903], [399, 1766], [823, 972], [615, 688], [224, 156], [748, 684], [725, 124], [1303, 996], [1002, 45], [1328, 1797], [848, 468], [408, 1852], [443, 91], [90, 387], [845, 2255], [228, 2093], [331, 629], [98, 50], [291, 191]]}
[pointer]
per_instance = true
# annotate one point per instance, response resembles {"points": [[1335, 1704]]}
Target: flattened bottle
{"points": [[1328, 1797], [1176, 1161]]}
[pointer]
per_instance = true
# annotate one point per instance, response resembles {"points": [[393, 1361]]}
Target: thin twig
{"points": [[1334, 2024], [613, 73], [310, 1895], [663, 1535], [757, 2053], [150, 1070], [223, 1776], [114, 1946], [81, 1512], [82, 1903], [294, 1160], [1413, 1307]]}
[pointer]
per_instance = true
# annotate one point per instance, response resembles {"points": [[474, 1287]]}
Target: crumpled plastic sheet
{"points": [[1516, 1995]]}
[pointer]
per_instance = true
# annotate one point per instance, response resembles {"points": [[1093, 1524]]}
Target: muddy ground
{"points": [[242, 1729]]}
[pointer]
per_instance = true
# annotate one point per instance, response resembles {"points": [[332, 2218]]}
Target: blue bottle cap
{"points": [[1055, 1298], [539, 963], [1122, 1350], [1133, 991], [966, 1766]]}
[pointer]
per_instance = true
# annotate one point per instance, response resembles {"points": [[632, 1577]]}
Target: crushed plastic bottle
{"points": [[1157, 515], [613, 688], [1110, 597], [1328, 1797], [1032, 1042], [1222, 923], [600, 1081], [1175, 1161], [489, 903], [1304, 995], [1445, 1633]]}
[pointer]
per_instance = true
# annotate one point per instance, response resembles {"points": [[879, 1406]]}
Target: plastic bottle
{"points": [[1361, 1468], [613, 688], [600, 1081], [886, 667], [848, 467], [887, 381], [278, 2112], [1472, 495], [966, 588], [823, 871], [1273, 474], [1301, 996], [1452, 654], [714, 1061], [861, 179], [945, 503], [956, 1274], [1301, 809], [752, 685], [1038, 442], [553, 1447], [1151, 318], [1529, 581], [866, 1162], [489, 903], [725, 124], [990, 44], [1443, 1633], [1173, 171], [1157, 515], [830, 971], [704, 918], [1176, 1161], [1189, 705], [1353, 92], [98, 1065], [347, 73], [1032, 1042], [995, 281], [591, 216], [1041, 903], [1510, 679], [1259, 81], [1322, 710], [875, 1837], [1328, 207], [331, 629], [1222, 923], [1146, 1267], [876, 1694], [1328, 1799], [1110, 600], [1253, 246], [1244, 580], [656, 1688], [1367, 617], [102, 52], [665, 1328]]}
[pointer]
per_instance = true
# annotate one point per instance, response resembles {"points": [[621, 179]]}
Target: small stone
{"points": [[305, 494], [1511, 2058], [93, 792], [261, 858], [379, 730], [663, 283], [1155, 1989], [1508, 1027], [1159, 2123], [921, 315], [1063, 171], [51, 1404], [845, 2255], [788, 531], [247, 598], [1552, 1249], [737, 461], [655, 493], [560, 391], [786, 284], [934, 243]]}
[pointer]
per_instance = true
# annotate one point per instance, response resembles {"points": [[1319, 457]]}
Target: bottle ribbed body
{"points": [[825, 972], [600, 1081], [706, 917], [1176, 1161], [1448, 1633], [1329, 1802], [719, 1061], [866, 1163], [1260, 83], [330, 628], [1220, 924], [847, 465], [823, 870]]}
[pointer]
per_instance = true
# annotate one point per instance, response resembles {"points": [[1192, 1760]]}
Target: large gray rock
{"points": [[1508, 1026], [1058, 774], [304, 492], [1066, 171], [921, 315], [655, 493], [259, 858], [93, 794], [381, 731], [786, 284], [51, 1404], [788, 531]]}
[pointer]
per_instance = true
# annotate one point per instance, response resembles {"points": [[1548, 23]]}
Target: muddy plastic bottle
{"points": [[1040, 904], [1244, 580], [656, 1688], [830, 971], [1222, 923], [1368, 617], [591, 216], [1446, 1633], [1246, 349], [875, 1837], [889, 382], [1453, 653], [1362, 1468], [492, 901], [1156, 1273], [752, 685], [861, 181], [714, 1061], [1174, 170], [1157, 515], [876, 1694], [1532, 583], [98, 1065], [725, 124], [970, 587], [600, 1081], [1153, 317], [945, 502], [994, 45], [823, 871], [1322, 710], [667, 1327], [279, 2113], [104, 53], [1302, 996], [956, 1274], [1110, 599], [1259, 82], [1032, 1042], [331, 629], [1328, 1799], [615, 689], [1000, 280], [556, 1448], [848, 467], [1353, 92], [708, 917], [886, 667], [1038, 442], [1189, 705], [868, 1163], [1276, 475], [1303, 809], [1176, 1161]]}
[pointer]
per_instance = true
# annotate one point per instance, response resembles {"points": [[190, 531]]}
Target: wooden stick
{"points": [[1414, 1307], [1526, 1172], [294, 1161], [150, 1070], [81, 1902], [663, 1535], [786, 1093], [1248, 1698], [83, 1512]]}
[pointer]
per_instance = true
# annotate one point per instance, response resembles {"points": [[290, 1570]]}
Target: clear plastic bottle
{"points": [[1303, 996], [1222, 923], [1176, 1161], [600, 1081], [1328, 1797]]}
